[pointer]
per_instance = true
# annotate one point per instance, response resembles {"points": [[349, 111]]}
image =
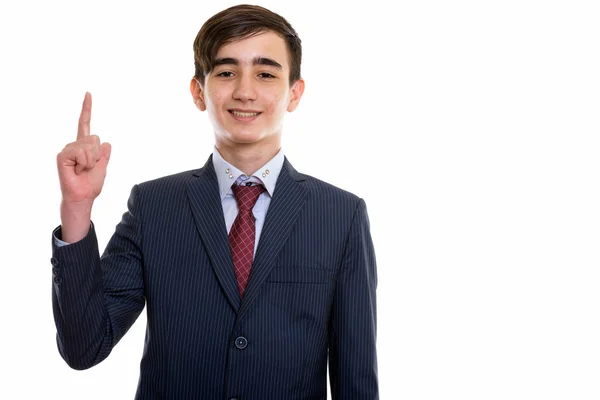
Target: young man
{"points": [[253, 274]]}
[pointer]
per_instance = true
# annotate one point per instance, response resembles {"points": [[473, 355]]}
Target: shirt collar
{"points": [[228, 174]]}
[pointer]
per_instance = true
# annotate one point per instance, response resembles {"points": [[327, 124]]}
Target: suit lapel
{"points": [[205, 200], [287, 202]]}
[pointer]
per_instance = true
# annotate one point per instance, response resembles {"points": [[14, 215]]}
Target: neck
{"points": [[248, 157]]}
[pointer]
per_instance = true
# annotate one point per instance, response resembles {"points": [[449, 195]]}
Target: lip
{"points": [[243, 119], [245, 110]]}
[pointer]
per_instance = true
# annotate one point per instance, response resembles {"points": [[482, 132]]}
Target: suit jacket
{"points": [[310, 296]]}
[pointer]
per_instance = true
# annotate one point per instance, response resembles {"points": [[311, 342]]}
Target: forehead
{"points": [[267, 44]]}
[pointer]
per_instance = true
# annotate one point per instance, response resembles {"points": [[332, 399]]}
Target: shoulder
{"points": [[171, 184], [331, 198], [321, 187], [325, 195]]}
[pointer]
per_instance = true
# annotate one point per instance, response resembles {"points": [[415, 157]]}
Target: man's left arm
{"points": [[353, 325]]}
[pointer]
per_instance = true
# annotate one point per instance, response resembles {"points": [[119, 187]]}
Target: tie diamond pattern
{"points": [[242, 233]]}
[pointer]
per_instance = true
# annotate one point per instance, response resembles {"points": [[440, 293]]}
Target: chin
{"points": [[245, 138]]}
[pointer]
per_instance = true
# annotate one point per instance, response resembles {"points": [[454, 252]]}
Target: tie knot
{"points": [[246, 196]]}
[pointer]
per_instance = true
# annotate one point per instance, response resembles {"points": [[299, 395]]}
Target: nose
{"points": [[244, 89]]}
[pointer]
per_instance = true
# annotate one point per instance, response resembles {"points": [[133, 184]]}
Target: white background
{"points": [[470, 128]]}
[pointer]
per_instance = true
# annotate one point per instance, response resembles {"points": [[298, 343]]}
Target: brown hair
{"points": [[241, 22]]}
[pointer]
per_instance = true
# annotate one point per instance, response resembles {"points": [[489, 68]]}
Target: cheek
{"points": [[276, 105], [215, 99]]}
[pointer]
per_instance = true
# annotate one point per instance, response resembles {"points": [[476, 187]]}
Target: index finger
{"points": [[83, 129]]}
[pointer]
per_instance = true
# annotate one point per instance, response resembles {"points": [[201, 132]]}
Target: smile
{"points": [[244, 114]]}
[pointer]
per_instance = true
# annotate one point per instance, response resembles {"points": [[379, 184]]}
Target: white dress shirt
{"points": [[228, 174]]}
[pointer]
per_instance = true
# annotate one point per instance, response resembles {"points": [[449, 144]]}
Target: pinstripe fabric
{"points": [[311, 294]]}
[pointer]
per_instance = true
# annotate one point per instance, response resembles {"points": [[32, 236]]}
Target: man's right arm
{"points": [[96, 300]]}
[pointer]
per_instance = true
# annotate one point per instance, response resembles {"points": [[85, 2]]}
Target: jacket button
{"points": [[241, 343], [55, 270], [54, 261], [57, 280]]}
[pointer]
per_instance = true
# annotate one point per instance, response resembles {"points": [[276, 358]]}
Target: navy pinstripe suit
{"points": [[311, 294]]}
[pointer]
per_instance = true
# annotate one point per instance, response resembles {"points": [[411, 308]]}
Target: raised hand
{"points": [[81, 171]]}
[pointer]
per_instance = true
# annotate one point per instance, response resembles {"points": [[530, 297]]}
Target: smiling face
{"points": [[248, 92]]}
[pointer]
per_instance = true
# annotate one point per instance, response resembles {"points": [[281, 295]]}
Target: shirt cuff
{"points": [[57, 232]]}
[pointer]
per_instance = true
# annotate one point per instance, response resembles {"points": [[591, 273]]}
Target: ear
{"points": [[296, 94], [197, 94]]}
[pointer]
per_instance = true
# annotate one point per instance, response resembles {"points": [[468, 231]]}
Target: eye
{"points": [[226, 74], [266, 75]]}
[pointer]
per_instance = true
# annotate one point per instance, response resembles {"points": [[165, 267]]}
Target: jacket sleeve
{"points": [[353, 325], [96, 300]]}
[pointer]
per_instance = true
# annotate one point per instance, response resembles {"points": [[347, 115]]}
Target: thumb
{"points": [[106, 150]]}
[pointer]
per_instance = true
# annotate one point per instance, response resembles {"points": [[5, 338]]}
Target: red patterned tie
{"points": [[241, 235]]}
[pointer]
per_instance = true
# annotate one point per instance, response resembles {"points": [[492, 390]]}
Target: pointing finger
{"points": [[83, 129]]}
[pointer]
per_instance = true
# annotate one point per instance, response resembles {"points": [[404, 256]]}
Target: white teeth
{"points": [[243, 114]]}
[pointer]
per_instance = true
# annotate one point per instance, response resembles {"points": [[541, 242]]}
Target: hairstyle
{"points": [[241, 22]]}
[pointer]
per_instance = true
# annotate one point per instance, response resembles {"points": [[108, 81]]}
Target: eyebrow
{"points": [[255, 61]]}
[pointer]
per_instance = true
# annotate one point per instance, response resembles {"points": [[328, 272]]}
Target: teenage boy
{"points": [[253, 274]]}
